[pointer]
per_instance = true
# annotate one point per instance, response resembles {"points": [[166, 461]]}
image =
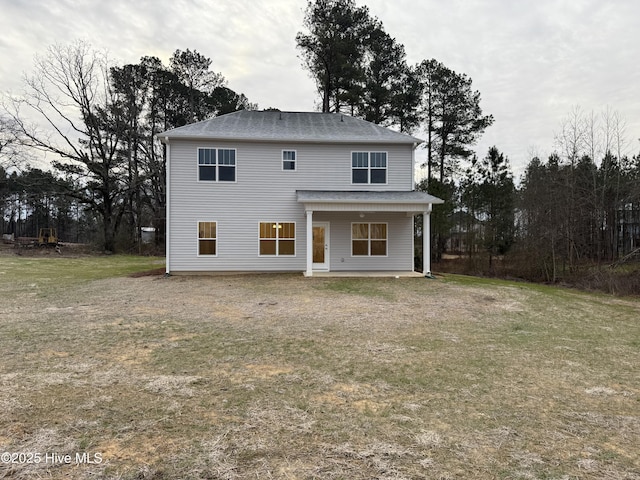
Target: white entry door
{"points": [[320, 246]]}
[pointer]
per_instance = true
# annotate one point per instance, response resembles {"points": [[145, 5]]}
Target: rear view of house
{"points": [[289, 191]]}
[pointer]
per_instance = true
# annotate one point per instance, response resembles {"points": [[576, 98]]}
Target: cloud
{"points": [[531, 61]]}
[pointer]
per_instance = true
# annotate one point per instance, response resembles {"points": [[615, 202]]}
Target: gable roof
{"points": [[274, 126]]}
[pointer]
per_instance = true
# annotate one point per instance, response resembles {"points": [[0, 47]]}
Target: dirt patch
{"points": [[149, 273]]}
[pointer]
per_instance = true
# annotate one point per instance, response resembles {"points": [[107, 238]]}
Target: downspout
{"points": [[167, 201], [413, 166]]}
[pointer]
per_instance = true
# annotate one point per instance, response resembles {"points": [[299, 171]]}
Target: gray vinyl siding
{"points": [[263, 191]]}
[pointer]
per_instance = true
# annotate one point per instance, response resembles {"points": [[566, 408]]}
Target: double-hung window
{"points": [[207, 238], [288, 160], [368, 167], [277, 238], [217, 164], [369, 239]]}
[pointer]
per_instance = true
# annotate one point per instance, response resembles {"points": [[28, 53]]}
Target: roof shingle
{"points": [[253, 125]]}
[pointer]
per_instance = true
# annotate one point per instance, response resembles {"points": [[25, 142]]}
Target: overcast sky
{"points": [[532, 61]]}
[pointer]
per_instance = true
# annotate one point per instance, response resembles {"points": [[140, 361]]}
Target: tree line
{"points": [[578, 208], [581, 205], [31, 199]]}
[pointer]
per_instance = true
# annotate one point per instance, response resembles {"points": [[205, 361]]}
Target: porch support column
{"points": [[309, 271], [426, 242]]}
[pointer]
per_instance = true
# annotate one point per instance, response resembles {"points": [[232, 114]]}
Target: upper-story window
{"points": [[288, 160], [217, 164], [368, 167]]}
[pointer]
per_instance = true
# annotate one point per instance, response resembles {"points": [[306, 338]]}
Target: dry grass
{"points": [[278, 376]]}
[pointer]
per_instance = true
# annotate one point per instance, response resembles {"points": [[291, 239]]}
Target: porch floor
{"points": [[392, 274]]}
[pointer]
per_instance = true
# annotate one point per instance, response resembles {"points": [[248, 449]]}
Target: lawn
{"points": [[109, 376]]}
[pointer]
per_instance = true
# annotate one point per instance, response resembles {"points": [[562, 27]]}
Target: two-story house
{"points": [[285, 191]]}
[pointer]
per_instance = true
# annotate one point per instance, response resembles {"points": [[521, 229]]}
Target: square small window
{"points": [[288, 159]]}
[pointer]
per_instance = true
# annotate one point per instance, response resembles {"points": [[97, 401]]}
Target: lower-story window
{"points": [[207, 238], [369, 239], [277, 238]]}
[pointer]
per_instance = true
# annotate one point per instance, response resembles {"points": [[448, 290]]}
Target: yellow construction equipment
{"points": [[48, 237]]}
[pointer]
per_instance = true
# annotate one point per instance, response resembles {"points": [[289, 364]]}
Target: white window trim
{"points": [[369, 152], [295, 162], [369, 240], [217, 180], [277, 239], [198, 254]]}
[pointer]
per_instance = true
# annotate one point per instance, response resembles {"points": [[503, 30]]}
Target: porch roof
{"points": [[378, 201]]}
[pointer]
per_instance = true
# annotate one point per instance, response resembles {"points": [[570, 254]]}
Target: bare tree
{"points": [[571, 140], [11, 149], [70, 100]]}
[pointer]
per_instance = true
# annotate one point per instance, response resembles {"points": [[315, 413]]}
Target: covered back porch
{"points": [[369, 232]]}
